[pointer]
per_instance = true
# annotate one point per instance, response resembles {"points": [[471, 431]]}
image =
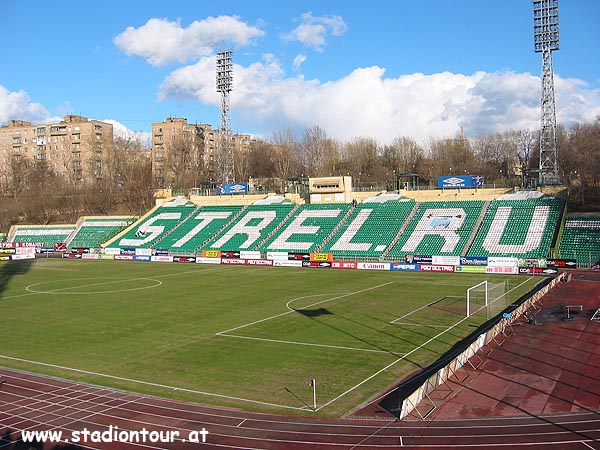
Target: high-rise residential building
{"points": [[185, 154], [75, 147]]}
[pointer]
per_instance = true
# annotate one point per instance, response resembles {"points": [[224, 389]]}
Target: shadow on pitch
{"points": [[314, 312], [297, 397], [319, 312], [11, 269]]}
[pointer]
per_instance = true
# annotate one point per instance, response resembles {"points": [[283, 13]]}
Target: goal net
{"points": [[487, 298]]}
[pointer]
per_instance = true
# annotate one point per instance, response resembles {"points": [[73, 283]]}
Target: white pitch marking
{"points": [[224, 333], [148, 383], [278, 341]]}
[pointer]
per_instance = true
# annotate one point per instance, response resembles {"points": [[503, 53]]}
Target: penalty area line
{"points": [[279, 341], [224, 333], [395, 321], [393, 363], [148, 383]]}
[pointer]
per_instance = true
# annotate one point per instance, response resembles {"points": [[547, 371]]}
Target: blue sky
{"points": [[378, 69]]}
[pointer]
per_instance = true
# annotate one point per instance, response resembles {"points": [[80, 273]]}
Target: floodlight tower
{"points": [[545, 38], [225, 145]]}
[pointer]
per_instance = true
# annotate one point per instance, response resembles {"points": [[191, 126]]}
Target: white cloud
{"points": [[120, 130], [17, 105], [162, 42], [313, 29], [298, 61], [366, 103]]}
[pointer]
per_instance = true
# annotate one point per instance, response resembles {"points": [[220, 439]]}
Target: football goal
{"points": [[487, 297]]}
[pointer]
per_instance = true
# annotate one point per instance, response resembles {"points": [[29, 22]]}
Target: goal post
{"points": [[477, 297], [487, 296]]}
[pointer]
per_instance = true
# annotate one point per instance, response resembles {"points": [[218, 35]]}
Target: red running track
{"points": [[31, 402]]}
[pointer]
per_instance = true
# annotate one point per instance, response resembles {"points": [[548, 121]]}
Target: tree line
{"points": [[121, 184], [123, 181], [504, 159]]}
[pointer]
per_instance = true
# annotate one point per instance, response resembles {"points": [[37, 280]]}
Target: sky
{"points": [[380, 69]]}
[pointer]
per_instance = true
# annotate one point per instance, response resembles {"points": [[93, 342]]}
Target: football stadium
{"points": [[249, 295], [331, 306]]}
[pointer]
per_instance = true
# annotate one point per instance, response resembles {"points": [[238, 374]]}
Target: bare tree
{"points": [[317, 150], [132, 174], [402, 155], [185, 160], [580, 162], [526, 144], [452, 156], [287, 157]]}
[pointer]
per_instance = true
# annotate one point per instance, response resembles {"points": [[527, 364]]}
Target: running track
{"points": [[34, 402]]}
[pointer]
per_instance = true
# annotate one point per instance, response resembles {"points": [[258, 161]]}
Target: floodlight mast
{"points": [[545, 38], [225, 143]]}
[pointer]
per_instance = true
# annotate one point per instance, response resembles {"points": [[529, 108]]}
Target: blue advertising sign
{"points": [[469, 181], [408, 267], [232, 188]]}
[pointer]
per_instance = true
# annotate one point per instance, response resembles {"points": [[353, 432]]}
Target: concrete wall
{"points": [[238, 199]]}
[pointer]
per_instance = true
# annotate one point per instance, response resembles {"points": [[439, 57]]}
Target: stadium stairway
{"points": [[337, 228], [438, 228], [252, 226], [476, 228], [191, 234], [521, 228], [408, 220], [277, 228]]}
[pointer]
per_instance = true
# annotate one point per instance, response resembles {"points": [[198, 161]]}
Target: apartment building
{"points": [[74, 147], [185, 154]]}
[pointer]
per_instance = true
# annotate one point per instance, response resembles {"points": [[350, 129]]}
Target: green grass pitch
{"points": [[245, 337]]}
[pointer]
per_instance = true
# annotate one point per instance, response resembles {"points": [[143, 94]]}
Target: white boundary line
{"points": [[227, 333], [419, 309], [450, 296], [403, 357], [148, 383], [391, 364], [224, 333], [278, 341]]}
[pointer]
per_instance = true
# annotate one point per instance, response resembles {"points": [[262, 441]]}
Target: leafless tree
{"points": [[317, 151], [287, 156], [402, 155]]}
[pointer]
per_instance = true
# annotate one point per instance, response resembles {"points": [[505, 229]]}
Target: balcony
{"points": [[58, 130]]}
